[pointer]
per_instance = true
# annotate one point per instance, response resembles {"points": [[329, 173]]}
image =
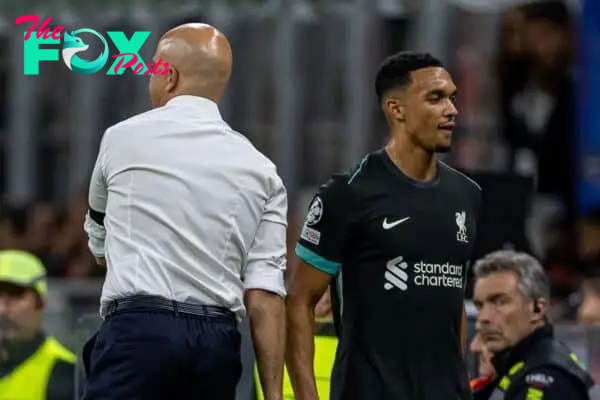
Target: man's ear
{"points": [[540, 307], [172, 78], [394, 108]]}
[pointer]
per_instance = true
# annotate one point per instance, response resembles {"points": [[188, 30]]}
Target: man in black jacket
{"points": [[511, 295]]}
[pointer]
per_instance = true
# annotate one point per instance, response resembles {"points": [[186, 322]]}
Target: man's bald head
{"points": [[200, 61]]}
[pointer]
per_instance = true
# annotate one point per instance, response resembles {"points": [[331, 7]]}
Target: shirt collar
{"points": [[505, 359], [204, 107]]}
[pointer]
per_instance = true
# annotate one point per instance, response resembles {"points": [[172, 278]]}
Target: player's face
{"points": [[504, 316], [429, 109]]}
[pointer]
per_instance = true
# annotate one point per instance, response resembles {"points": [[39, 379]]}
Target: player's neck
{"points": [[413, 161]]}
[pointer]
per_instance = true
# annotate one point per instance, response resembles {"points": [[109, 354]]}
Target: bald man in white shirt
{"points": [[190, 221]]}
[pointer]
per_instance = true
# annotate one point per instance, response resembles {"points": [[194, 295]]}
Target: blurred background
{"points": [[302, 91]]}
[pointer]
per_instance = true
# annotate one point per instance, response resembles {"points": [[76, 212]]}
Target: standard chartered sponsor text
{"points": [[438, 275]]}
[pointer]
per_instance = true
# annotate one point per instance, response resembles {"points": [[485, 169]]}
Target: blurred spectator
{"points": [[589, 308], [43, 223], [53, 235], [589, 238], [510, 66], [588, 312], [13, 227], [536, 95], [72, 242], [32, 365], [484, 357], [566, 303], [484, 364]]}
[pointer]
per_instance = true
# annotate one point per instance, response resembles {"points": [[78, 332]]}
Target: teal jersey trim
{"points": [[355, 174], [317, 261]]}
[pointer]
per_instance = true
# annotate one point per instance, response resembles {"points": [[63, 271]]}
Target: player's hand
{"points": [[101, 261]]}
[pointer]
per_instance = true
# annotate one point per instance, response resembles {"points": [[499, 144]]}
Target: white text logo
{"points": [[438, 275]]}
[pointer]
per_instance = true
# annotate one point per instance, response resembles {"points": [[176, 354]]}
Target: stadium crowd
{"points": [[53, 233]]}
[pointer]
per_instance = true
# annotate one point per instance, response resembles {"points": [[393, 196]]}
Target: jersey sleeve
{"points": [[326, 227]]}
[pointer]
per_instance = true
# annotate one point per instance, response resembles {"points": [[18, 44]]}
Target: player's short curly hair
{"points": [[532, 280], [395, 70]]}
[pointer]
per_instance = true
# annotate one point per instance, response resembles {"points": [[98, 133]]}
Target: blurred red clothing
{"points": [[480, 382]]}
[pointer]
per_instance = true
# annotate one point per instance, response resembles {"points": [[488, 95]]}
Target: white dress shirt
{"points": [[192, 211]]}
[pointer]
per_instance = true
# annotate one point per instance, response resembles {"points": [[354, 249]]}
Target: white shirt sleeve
{"points": [[266, 260], [97, 197]]}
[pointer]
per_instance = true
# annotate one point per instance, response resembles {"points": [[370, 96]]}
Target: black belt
{"points": [[139, 302]]}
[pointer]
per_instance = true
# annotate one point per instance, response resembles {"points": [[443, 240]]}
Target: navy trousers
{"points": [[158, 354]]}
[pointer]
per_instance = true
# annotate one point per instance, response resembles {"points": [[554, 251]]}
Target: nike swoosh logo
{"points": [[390, 225]]}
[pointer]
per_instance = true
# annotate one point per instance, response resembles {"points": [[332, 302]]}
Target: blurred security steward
{"points": [[511, 295], [190, 221], [33, 366]]}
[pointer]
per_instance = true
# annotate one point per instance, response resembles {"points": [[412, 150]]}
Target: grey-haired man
{"points": [[512, 294]]}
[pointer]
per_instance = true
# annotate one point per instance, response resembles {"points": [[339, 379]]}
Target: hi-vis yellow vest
{"points": [[325, 347], [30, 379]]}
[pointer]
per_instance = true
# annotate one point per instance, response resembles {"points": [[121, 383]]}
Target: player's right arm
{"points": [[320, 250]]}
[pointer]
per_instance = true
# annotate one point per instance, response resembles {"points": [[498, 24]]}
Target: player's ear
{"points": [[394, 108]]}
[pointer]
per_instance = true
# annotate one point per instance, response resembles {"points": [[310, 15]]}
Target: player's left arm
{"points": [[548, 384], [97, 197]]}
